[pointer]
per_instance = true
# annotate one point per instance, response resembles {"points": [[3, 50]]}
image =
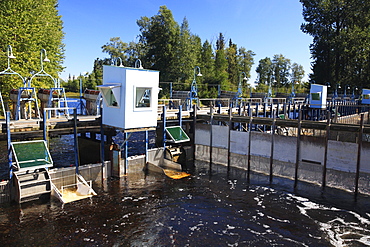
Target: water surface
{"points": [[206, 209]]}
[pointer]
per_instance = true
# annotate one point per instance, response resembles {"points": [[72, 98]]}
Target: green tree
{"points": [[281, 68], [341, 40], [29, 26], [297, 74], [207, 64], [245, 60], [160, 34], [116, 48], [233, 68], [221, 75], [265, 71]]}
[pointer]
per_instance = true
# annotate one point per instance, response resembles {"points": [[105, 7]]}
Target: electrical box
{"points": [[130, 97], [365, 96], [318, 94]]}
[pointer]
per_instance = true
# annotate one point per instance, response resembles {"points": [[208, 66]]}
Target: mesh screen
{"points": [[31, 154]]}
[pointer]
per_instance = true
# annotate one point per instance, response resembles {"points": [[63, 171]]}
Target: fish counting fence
{"points": [[326, 152]]}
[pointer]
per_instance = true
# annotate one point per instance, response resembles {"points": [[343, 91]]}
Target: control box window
{"points": [[143, 97]]}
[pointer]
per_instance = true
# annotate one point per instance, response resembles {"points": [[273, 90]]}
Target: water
{"points": [[217, 209]]}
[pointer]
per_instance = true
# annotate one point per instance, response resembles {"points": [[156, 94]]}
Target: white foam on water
{"points": [[340, 228]]}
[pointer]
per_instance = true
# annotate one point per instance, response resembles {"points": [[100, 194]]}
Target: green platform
{"points": [[31, 155], [176, 134]]}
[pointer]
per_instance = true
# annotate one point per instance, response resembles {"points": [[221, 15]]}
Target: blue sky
{"points": [[267, 27]]}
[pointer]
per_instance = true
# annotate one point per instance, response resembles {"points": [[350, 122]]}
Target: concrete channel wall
{"points": [[341, 156]]}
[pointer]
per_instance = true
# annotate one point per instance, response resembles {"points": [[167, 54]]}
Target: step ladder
{"points": [[32, 185]]}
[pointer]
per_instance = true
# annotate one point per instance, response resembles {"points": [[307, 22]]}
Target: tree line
{"points": [[27, 27], [340, 49], [172, 49], [341, 41]]}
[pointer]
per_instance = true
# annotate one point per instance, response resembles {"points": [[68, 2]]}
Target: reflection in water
{"points": [[201, 210]]}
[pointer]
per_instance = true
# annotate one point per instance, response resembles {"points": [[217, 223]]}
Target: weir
{"points": [[319, 141]]}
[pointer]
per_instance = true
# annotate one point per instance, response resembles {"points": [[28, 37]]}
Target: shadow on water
{"points": [[203, 210]]}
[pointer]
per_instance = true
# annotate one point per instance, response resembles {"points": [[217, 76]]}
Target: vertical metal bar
{"points": [[9, 144], [126, 152], [180, 115], [229, 141], [194, 126], [81, 105], [272, 148], [361, 131], [45, 127], [146, 146], [256, 115], [102, 153], [326, 149], [298, 151], [249, 147], [210, 139], [164, 128], [77, 158], [264, 115]]}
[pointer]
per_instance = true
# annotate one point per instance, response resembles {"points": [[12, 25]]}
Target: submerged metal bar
{"points": [[9, 141], [272, 147], [102, 154], [359, 154], [75, 137], [210, 138], [249, 148], [228, 140], [298, 150], [326, 149]]}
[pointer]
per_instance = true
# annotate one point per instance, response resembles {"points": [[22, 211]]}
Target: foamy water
{"points": [[201, 210]]}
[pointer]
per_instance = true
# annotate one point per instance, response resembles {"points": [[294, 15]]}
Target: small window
{"points": [[111, 94], [143, 97], [316, 96]]}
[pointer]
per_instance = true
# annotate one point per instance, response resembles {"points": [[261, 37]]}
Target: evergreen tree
{"points": [[160, 34], [29, 26], [281, 68], [233, 68], [297, 73], [207, 63], [341, 40], [221, 75], [265, 71], [245, 60]]}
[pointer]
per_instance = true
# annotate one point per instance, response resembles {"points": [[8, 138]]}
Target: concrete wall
{"points": [[341, 158]]}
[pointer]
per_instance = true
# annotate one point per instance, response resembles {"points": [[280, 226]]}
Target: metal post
{"points": [[326, 149], [102, 153], [81, 105], [8, 142], [249, 147], [77, 158], [361, 130], [264, 115], [229, 141], [146, 146], [298, 151], [194, 125], [126, 152], [171, 102], [164, 128], [180, 115], [210, 138], [45, 127], [272, 147]]}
